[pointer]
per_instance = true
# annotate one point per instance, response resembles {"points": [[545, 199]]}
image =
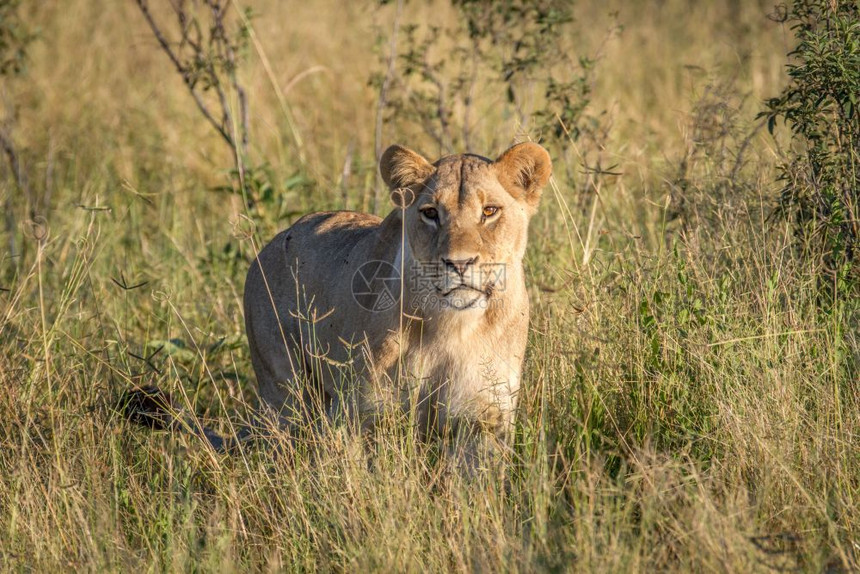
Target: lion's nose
{"points": [[459, 265]]}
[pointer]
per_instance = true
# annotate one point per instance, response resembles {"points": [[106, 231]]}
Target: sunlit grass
{"points": [[689, 403]]}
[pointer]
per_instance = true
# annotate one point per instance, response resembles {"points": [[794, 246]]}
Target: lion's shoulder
{"points": [[328, 234], [335, 221]]}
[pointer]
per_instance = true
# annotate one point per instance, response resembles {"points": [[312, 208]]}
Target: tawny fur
{"points": [[452, 346]]}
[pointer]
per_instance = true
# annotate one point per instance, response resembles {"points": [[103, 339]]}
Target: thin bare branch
{"points": [[382, 103], [183, 70]]}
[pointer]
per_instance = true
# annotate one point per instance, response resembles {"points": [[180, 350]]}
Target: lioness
{"points": [[426, 309]]}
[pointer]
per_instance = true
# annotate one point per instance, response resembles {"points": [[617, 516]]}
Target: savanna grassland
{"points": [[690, 398]]}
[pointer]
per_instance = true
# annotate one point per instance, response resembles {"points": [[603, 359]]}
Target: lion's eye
{"points": [[430, 213], [490, 211]]}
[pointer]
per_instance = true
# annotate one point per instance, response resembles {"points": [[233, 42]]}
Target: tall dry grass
{"points": [[688, 404]]}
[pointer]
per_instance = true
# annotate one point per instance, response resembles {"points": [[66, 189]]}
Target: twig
{"points": [[470, 94], [345, 174], [281, 94], [187, 77], [383, 100], [765, 336], [20, 181]]}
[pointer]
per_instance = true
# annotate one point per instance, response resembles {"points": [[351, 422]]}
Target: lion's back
{"points": [[311, 253]]}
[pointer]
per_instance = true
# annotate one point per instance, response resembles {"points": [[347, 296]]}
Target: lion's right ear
{"points": [[401, 167]]}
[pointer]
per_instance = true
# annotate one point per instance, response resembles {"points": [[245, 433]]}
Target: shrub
{"points": [[516, 51], [822, 173]]}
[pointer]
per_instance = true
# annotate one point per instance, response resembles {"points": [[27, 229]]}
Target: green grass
{"points": [[690, 399]]}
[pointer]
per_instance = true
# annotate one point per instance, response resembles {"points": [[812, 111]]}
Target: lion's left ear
{"points": [[523, 170]]}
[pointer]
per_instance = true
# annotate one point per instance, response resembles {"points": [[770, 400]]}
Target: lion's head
{"points": [[466, 221]]}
